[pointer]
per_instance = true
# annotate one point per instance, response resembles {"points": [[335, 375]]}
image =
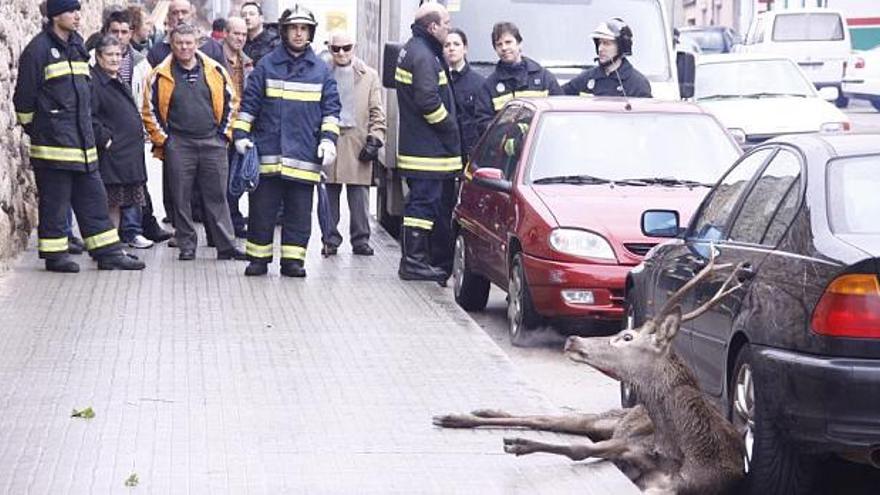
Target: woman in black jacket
{"points": [[119, 135], [466, 83]]}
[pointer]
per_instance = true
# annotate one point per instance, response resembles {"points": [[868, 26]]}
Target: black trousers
{"points": [[442, 241], [422, 205], [58, 191], [296, 228]]}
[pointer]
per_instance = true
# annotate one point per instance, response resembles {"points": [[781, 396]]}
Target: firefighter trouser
{"points": [[58, 190], [422, 203], [296, 227], [442, 242]]}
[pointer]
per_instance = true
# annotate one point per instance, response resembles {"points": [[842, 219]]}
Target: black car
{"points": [[711, 39], [793, 357]]}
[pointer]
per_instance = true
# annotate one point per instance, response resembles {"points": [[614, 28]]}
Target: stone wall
{"points": [[19, 22]]}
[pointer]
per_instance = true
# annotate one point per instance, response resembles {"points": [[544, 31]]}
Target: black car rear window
{"points": [[853, 202]]}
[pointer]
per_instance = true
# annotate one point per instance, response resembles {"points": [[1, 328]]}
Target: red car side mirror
{"points": [[493, 179]]}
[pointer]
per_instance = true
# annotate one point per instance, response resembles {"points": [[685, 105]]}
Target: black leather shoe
{"points": [[120, 261], [61, 265], [328, 250], [362, 250], [158, 234], [293, 269], [75, 245], [232, 254], [256, 269], [187, 255]]}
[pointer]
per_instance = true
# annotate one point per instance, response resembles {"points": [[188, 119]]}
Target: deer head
{"points": [[635, 354]]}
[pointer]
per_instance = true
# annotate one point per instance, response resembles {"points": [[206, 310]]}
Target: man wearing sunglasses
{"points": [[362, 132]]}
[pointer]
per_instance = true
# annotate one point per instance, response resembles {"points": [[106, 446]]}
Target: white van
{"points": [[816, 38]]}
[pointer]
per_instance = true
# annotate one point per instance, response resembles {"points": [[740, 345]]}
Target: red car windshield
{"points": [[630, 147]]}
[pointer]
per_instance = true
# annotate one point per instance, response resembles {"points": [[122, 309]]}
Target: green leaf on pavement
{"points": [[86, 413], [132, 480]]}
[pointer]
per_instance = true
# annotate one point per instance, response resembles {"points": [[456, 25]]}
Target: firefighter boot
{"points": [[120, 261], [62, 265], [414, 262], [293, 268], [256, 269]]}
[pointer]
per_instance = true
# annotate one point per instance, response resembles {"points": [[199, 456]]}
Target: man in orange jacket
{"points": [[189, 105]]}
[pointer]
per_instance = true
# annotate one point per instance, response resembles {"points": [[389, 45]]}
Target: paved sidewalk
{"points": [[205, 381]]}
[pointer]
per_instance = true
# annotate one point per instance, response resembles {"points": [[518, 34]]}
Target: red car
{"points": [[551, 207]]}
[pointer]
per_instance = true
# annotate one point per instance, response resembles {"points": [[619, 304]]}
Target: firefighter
{"points": [[290, 112], [614, 76], [429, 148], [53, 104], [515, 76]]}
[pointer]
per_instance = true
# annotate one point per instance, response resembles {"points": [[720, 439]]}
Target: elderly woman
{"points": [[119, 135]]}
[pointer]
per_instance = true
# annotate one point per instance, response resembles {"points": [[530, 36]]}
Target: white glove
{"points": [[242, 145], [327, 152]]}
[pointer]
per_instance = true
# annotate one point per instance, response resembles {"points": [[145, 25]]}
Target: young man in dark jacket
{"points": [[515, 76], [614, 76], [260, 41], [52, 103], [429, 149]]}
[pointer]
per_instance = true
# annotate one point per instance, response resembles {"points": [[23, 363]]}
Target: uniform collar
{"points": [[431, 41], [280, 55]]}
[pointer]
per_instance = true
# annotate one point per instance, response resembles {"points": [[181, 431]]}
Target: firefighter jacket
{"points": [[429, 143], [157, 100], [526, 79], [53, 103], [290, 104], [595, 82]]}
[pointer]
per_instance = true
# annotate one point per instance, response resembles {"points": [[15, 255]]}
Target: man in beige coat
{"points": [[362, 132]]}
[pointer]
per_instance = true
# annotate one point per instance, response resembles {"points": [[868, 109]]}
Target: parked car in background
{"points": [[862, 81], [710, 39], [793, 356], [815, 38], [758, 97], [552, 200]]}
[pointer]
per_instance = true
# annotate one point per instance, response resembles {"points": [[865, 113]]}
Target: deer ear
{"points": [[670, 324]]}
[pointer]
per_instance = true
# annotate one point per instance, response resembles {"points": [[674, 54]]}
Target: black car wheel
{"points": [[471, 290], [521, 315], [773, 464]]}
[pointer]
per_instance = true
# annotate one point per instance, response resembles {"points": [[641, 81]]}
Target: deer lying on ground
{"points": [[674, 441]]}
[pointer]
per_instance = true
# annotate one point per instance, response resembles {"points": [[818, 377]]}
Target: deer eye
{"points": [[627, 337]]}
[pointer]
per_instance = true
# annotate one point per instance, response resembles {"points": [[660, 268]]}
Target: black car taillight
{"points": [[850, 307]]}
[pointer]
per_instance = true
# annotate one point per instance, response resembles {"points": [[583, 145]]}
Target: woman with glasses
{"points": [[362, 132]]}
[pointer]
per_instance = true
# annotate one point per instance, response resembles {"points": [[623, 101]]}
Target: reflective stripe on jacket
{"points": [[429, 144], [289, 105], [157, 99], [53, 103], [524, 80]]}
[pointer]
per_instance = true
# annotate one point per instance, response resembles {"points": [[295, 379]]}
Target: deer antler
{"points": [[676, 297], [723, 291]]}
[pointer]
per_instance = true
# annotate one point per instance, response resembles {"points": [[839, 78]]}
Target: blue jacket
{"points": [[53, 103], [595, 82], [289, 105], [467, 84], [429, 144]]}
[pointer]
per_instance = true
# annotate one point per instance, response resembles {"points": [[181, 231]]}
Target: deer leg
{"points": [[607, 449], [597, 426]]}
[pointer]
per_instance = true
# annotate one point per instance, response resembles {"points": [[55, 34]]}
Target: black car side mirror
{"points": [[492, 179], [686, 65], [661, 223], [389, 64]]}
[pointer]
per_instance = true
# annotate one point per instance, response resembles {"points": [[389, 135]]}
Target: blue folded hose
{"points": [[244, 172]]}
